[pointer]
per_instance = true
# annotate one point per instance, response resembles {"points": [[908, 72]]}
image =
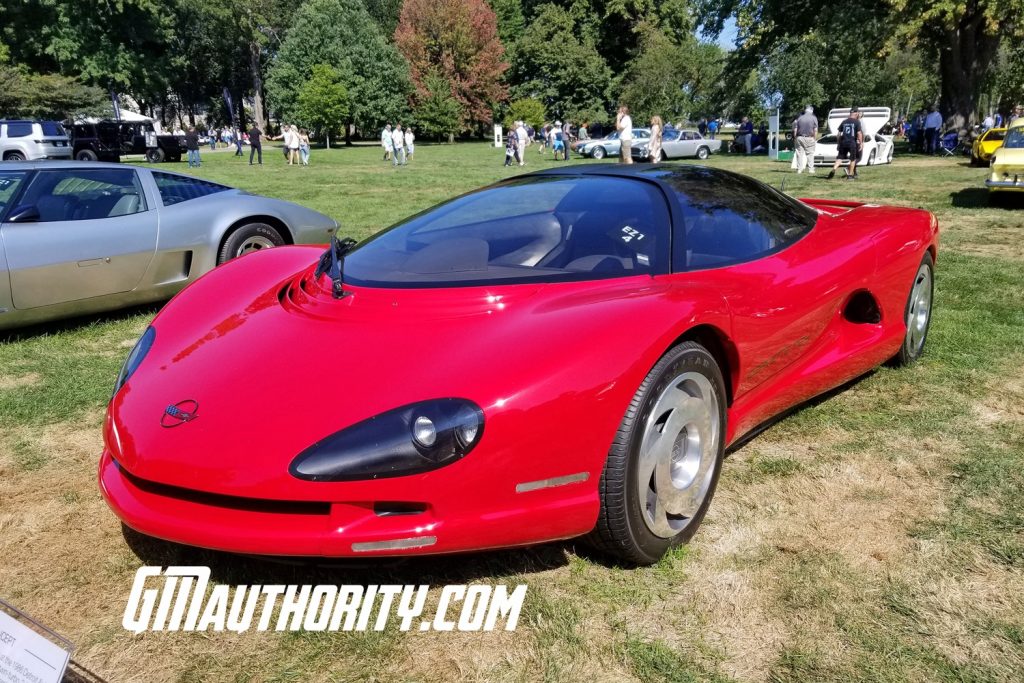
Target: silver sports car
{"points": [[676, 144], [609, 145], [80, 237]]}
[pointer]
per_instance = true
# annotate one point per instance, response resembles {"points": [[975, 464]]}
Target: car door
{"points": [[670, 144], [785, 276], [687, 145], [78, 233]]}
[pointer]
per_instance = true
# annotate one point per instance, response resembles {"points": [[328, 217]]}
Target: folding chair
{"points": [[950, 143]]}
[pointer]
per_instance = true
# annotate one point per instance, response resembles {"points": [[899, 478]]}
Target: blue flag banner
{"points": [[230, 105], [116, 104]]}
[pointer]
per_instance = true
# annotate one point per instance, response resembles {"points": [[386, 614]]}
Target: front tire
{"points": [[918, 313], [248, 238], [664, 463], [599, 152], [14, 156], [155, 155]]}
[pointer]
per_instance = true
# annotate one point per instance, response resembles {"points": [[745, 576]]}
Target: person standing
{"points": [[712, 128], [805, 134], [521, 142], [987, 123], [998, 120], [292, 143], [747, 134], [624, 124], [851, 142], [213, 139], [238, 143], [255, 144], [192, 145], [410, 139], [557, 139], [702, 127], [386, 143], [932, 125], [511, 147], [654, 146], [397, 145], [304, 146]]}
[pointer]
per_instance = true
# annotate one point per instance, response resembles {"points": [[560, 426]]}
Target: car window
{"points": [[641, 133], [729, 218], [21, 129], [670, 136], [994, 135], [10, 181], [52, 128], [85, 194], [1014, 138], [827, 139], [534, 229], [175, 189]]}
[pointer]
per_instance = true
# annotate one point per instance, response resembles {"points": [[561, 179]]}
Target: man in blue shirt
{"points": [[932, 126]]}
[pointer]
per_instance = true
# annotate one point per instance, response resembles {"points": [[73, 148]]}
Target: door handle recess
{"points": [[93, 262]]}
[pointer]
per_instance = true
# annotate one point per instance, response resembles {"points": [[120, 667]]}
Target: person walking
{"points": [[932, 126], [557, 139], [747, 134], [702, 127], [851, 142], [213, 139], [386, 143], [255, 144], [397, 145], [521, 142], [304, 146], [511, 147], [654, 146], [292, 142], [624, 124], [805, 134], [192, 145], [712, 128], [238, 143], [410, 139]]}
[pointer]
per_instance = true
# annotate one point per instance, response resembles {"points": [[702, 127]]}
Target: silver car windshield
{"points": [[10, 183]]}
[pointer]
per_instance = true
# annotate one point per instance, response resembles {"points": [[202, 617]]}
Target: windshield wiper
{"points": [[332, 262]]}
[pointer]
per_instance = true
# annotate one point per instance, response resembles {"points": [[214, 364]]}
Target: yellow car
{"points": [[1007, 166], [986, 144]]}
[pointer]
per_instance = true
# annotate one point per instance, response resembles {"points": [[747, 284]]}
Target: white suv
{"points": [[30, 140]]}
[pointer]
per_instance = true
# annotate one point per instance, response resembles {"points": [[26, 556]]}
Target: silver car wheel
{"points": [[677, 454], [920, 310], [254, 243]]}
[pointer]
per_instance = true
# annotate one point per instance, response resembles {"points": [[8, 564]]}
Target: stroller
{"points": [[949, 143]]}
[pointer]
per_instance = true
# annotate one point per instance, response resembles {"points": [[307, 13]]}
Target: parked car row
{"points": [[86, 141]]}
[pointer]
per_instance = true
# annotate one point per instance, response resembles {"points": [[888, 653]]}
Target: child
{"points": [[511, 147]]}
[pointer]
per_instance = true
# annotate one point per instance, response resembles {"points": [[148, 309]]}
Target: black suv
{"points": [[108, 140]]}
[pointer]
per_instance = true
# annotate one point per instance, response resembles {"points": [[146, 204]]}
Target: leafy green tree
{"points": [[565, 72], [323, 101], [511, 20], [438, 113], [343, 34], [385, 13], [526, 109]]}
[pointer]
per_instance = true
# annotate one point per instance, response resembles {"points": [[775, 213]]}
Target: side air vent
{"points": [[862, 308]]}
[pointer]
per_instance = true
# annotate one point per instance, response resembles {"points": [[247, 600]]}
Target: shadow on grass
{"points": [[980, 197], [75, 323], [438, 569]]}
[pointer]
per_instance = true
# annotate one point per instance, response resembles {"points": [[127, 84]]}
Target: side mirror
{"points": [[26, 213]]}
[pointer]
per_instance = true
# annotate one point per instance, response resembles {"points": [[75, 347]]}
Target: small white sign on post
{"points": [[497, 136], [26, 655], [773, 135]]}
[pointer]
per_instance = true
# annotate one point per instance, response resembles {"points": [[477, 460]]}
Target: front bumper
{"points": [[346, 529]]}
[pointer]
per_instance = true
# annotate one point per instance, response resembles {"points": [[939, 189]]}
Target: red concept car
{"points": [[563, 353]]}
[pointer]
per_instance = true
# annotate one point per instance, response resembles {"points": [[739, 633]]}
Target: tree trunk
{"points": [[257, 85], [966, 55], [348, 134]]}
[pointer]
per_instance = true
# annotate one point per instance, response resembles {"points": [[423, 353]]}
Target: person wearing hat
{"points": [[557, 139], [805, 133], [851, 142]]}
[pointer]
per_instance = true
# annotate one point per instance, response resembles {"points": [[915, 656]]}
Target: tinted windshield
{"points": [[52, 128], [1015, 138], [537, 229], [10, 181]]}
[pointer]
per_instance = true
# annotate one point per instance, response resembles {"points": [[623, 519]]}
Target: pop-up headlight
{"points": [[408, 440], [134, 359]]}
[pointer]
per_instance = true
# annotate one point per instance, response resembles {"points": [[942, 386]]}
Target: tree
{"points": [[438, 113], [385, 13], [566, 73], [341, 33], [458, 40], [528, 110], [511, 20], [323, 101]]}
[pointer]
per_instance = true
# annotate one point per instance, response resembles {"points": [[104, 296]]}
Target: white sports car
{"points": [[877, 149]]}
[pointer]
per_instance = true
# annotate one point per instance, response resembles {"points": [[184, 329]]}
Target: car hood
{"points": [[275, 367], [1009, 156]]}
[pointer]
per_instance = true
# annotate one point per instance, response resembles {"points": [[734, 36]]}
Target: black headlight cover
{"points": [[134, 359], [383, 446]]}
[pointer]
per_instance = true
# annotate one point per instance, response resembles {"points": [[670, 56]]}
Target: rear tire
{"points": [[665, 460], [248, 238], [87, 155], [917, 314], [155, 155], [14, 156], [703, 153], [599, 152]]}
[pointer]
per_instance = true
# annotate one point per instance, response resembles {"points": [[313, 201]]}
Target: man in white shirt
{"points": [[624, 124], [932, 126], [398, 143], [522, 139], [409, 139], [987, 123], [385, 142]]}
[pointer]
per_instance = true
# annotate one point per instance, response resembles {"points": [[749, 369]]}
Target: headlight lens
{"points": [[134, 358], [409, 440]]}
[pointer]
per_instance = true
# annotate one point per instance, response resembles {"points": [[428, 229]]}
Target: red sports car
{"points": [[563, 353]]}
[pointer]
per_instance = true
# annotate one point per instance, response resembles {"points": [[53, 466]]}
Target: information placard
{"points": [[26, 655]]}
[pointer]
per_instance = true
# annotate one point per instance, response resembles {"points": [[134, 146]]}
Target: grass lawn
{"points": [[876, 535]]}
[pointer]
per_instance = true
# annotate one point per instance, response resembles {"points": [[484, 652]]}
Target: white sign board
{"points": [[28, 657], [773, 135], [497, 136]]}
